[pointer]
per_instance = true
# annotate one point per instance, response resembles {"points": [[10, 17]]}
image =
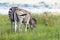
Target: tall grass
{"points": [[47, 28]]}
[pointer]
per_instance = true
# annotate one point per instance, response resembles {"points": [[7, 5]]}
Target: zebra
{"points": [[19, 16]]}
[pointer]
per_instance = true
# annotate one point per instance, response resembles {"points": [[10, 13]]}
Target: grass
{"points": [[47, 28]]}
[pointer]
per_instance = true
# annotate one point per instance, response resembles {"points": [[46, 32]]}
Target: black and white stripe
{"points": [[15, 18]]}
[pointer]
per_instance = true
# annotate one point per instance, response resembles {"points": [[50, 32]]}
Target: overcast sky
{"points": [[29, 1]]}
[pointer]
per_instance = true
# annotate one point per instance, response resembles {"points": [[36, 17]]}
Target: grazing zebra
{"points": [[19, 16]]}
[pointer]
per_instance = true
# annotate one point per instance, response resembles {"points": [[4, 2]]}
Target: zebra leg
{"points": [[11, 25], [26, 24], [15, 25], [15, 20], [20, 24]]}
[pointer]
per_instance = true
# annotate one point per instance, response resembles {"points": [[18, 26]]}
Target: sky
{"points": [[29, 1]]}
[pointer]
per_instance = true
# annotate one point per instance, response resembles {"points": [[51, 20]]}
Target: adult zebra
{"points": [[19, 16]]}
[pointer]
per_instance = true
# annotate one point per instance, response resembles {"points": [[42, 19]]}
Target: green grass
{"points": [[47, 28]]}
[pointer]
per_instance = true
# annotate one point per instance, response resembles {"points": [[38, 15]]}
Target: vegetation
{"points": [[47, 28]]}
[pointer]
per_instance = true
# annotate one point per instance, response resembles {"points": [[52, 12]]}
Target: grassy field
{"points": [[47, 28]]}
